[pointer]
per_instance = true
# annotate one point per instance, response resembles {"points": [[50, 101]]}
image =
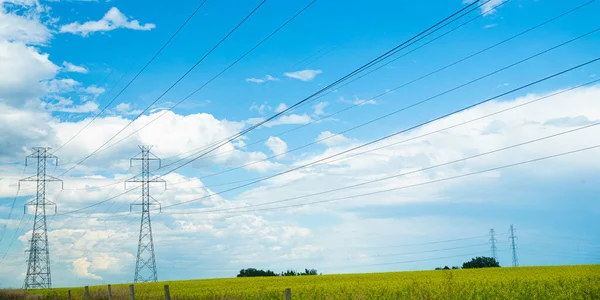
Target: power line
{"points": [[399, 132], [12, 207], [134, 78], [349, 75], [477, 53], [315, 54], [401, 109], [16, 234], [396, 88]]}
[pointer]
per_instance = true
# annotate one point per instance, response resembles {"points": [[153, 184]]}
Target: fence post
{"points": [[167, 293], [69, 294], [86, 293], [109, 293], [131, 292], [55, 296], [288, 294], [38, 297]]}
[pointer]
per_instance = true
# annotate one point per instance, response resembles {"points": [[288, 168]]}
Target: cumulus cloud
{"points": [[329, 139], [82, 266], [281, 107], [67, 106], [303, 75], [262, 80], [69, 67], [290, 120], [320, 108], [276, 145], [260, 108], [92, 89], [358, 101], [62, 85], [26, 28], [123, 107], [112, 20], [23, 72]]}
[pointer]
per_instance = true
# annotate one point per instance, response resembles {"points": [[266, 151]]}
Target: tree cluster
{"points": [[475, 263], [481, 262], [252, 272]]}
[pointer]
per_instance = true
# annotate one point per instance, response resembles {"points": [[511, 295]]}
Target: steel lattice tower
{"points": [[512, 237], [145, 265], [38, 264], [493, 244]]}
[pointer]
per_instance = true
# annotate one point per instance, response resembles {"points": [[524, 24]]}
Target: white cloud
{"points": [[25, 28], [123, 107], [358, 101], [94, 90], [319, 108], [327, 138], [260, 108], [281, 107], [304, 75], [262, 80], [83, 108], [488, 26], [81, 267], [276, 145], [69, 67], [62, 85], [290, 120], [112, 20], [23, 72], [526, 123]]}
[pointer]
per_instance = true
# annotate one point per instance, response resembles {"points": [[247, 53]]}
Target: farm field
{"points": [[562, 282]]}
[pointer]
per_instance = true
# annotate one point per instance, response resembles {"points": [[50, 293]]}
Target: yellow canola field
{"points": [[564, 282]]}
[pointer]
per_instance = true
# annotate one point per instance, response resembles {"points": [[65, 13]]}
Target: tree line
{"points": [[475, 263], [252, 272]]}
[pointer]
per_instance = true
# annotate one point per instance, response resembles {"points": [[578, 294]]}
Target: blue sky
{"points": [[61, 63]]}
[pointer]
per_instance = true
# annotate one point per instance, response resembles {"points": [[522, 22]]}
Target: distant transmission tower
{"points": [[512, 237], [145, 265], [38, 263], [493, 244]]}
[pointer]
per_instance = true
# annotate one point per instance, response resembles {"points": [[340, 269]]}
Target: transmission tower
{"points": [[512, 237], [145, 265], [493, 244], [38, 263]]}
